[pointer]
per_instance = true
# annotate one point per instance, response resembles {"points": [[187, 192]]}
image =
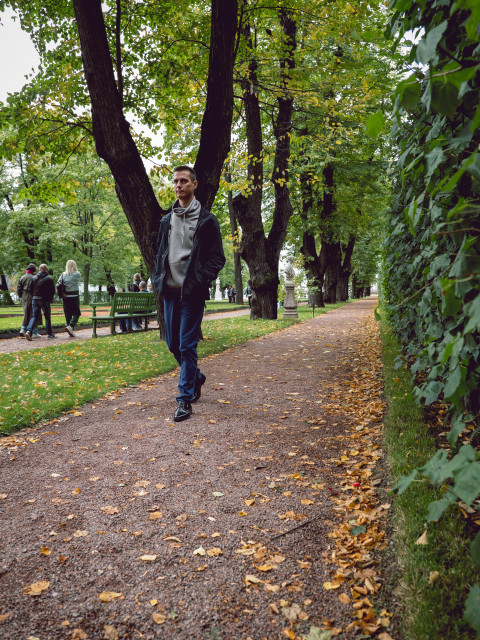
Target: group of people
{"points": [[36, 291]]}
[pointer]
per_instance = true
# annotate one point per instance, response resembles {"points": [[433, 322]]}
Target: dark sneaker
{"points": [[21, 334], [199, 382], [28, 335], [183, 412], [51, 336]]}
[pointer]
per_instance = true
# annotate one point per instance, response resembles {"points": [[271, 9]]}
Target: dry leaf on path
{"points": [[110, 632], [109, 596], [159, 618], [292, 612], [79, 634], [148, 558], [155, 515], [4, 616], [200, 551], [110, 510], [214, 551], [36, 588]]}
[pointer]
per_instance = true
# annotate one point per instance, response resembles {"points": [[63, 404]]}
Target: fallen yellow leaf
{"points": [[334, 584], [155, 515], [423, 539], [214, 551], [36, 588], [265, 567], [200, 551], [109, 596], [159, 618], [46, 551], [148, 558], [110, 632], [110, 510], [434, 577]]}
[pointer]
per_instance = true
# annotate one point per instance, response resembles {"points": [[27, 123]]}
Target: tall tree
{"points": [[261, 251]]}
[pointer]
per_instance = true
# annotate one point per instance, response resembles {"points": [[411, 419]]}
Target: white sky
{"points": [[17, 55]]}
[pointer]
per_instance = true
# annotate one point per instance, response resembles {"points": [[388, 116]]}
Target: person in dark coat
{"points": [[43, 290], [189, 257], [26, 297]]}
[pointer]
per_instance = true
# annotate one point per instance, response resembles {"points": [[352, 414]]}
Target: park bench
{"points": [[126, 306]]}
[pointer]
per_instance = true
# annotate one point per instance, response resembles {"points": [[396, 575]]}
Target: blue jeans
{"points": [[182, 331], [39, 304], [125, 324]]}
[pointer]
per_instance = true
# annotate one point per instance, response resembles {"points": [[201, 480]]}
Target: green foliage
{"points": [[428, 609], [53, 213], [432, 248]]}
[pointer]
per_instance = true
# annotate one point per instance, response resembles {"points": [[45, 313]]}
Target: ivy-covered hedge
{"points": [[432, 248]]}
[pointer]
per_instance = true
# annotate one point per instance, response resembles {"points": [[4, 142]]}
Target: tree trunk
{"points": [[314, 267], [345, 271], [217, 118], [114, 142], [237, 260], [333, 256], [86, 281], [3, 282], [259, 252]]}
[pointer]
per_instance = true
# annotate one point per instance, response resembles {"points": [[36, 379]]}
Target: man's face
{"points": [[184, 186]]}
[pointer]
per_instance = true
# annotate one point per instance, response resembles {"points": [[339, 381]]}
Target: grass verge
{"points": [[431, 605], [41, 383]]}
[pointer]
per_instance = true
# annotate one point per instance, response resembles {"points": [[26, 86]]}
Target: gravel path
{"points": [[118, 523]]}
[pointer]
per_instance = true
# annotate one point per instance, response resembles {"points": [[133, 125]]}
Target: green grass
{"points": [[41, 383], [428, 610]]}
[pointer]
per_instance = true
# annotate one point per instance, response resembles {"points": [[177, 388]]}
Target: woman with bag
{"points": [[67, 289]]}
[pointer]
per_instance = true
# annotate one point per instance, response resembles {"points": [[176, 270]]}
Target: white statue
{"points": [[218, 293], [289, 270]]}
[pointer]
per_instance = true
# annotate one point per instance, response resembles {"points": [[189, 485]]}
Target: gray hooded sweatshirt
{"points": [[180, 244]]}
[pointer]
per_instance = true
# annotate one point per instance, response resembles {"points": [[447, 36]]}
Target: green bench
{"points": [[126, 306]]}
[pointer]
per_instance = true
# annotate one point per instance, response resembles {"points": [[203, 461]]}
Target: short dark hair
{"points": [[183, 167]]}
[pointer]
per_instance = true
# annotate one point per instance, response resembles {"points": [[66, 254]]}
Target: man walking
{"points": [[25, 295], [43, 290], [189, 257]]}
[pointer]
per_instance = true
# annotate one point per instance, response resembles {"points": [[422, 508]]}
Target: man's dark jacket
{"points": [[205, 262], [42, 286]]}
